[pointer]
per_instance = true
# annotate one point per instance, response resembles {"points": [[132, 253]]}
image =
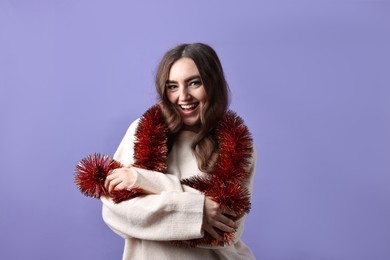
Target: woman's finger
{"points": [[213, 233], [113, 183], [230, 213], [227, 221], [120, 186], [111, 175], [223, 227]]}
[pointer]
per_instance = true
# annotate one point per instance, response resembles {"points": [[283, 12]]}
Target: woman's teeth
{"points": [[188, 107]]}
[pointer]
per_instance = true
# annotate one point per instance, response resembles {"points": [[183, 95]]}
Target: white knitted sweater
{"points": [[170, 211]]}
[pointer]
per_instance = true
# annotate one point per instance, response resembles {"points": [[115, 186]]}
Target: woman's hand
{"points": [[214, 217], [119, 179]]}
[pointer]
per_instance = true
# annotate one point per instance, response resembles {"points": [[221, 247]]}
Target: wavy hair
{"points": [[210, 69]]}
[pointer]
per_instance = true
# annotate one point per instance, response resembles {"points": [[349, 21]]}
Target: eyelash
{"points": [[171, 87], [195, 83]]}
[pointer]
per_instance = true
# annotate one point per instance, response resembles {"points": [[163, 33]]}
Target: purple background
{"points": [[311, 79]]}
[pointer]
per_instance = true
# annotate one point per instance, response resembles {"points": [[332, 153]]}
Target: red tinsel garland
{"points": [[91, 172], [225, 184]]}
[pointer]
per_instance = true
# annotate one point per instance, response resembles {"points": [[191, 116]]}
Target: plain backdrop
{"points": [[310, 78]]}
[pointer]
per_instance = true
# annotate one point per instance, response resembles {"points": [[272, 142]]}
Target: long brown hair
{"points": [[210, 69]]}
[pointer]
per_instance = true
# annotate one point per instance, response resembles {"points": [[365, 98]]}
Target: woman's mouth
{"points": [[189, 107]]}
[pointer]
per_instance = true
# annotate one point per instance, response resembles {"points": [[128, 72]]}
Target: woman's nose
{"points": [[184, 94]]}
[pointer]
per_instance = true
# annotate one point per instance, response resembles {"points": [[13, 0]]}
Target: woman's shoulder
{"points": [[133, 127]]}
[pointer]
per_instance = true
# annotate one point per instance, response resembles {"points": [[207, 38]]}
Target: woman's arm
{"points": [[235, 246], [249, 186], [167, 212], [157, 212], [166, 216], [123, 219], [149, 181]]}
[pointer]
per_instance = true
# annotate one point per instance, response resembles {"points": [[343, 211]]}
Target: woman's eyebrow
{"points": [[170, 82], [192, 78], [186, 80]]}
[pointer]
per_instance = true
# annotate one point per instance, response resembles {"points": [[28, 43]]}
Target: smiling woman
{"points": [[186, 92], [183, 173], [197, 60]]}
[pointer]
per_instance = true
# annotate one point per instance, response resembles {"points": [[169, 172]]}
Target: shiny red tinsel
{"points": [[226, 184], [150, 146], [91, 173]]}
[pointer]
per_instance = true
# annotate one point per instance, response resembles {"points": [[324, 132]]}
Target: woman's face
{"points": [[186, 92]]}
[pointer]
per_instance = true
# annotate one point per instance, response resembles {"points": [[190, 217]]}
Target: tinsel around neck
{"points": [[226, 184]]}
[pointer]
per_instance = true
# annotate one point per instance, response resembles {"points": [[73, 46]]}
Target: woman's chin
{"points": [[191, 126]]}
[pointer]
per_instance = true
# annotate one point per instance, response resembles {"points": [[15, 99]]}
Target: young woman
{"points": [[190, 162]]}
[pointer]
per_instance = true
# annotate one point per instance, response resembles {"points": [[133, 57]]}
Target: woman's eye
{"points": [[171, 87], [195, 83]]}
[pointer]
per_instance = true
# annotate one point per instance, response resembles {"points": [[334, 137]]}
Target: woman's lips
{"points": [[189, 107]]}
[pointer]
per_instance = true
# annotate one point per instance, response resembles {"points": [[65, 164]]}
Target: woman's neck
{"points": [[192, 128]]}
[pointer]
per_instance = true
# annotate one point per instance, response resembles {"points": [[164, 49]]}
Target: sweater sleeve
{"points": [[168, 212], [249, 186], [165, 216], [149, 181], [235, 247]]}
